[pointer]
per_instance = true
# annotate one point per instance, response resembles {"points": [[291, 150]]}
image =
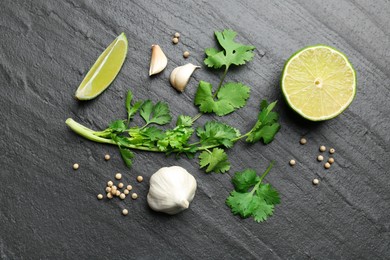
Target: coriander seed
{"points": [[110, 183], [129, 187], [316, 181], [109, 195], [177, 35], [331, 160], [140, 178], [118, 176], [303, 141], [100, 196], [76, 166], [107, 157], [120, 185], [122, 196], [117, 193], [327, 165], [322, 148], [134, 196], [292, 162], [108, 189], [186, 54], [126, 192], [175, 40], [320, 158], [125, 212], [332, 150]]}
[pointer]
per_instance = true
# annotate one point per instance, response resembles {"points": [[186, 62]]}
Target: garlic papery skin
{"points": [[171, 190], [181, 75], [158, 61]]}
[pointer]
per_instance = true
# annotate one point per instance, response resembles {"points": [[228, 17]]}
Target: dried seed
{"points": [[331, 160], [129, 187], [332, 150], [107, 157], [316, 181], [118, 176], [303, 141], [125, 212], [76, 166], [177, 35], [292, 162], [322, 148], [109, 195], [140, 178], [134, 196], [320, 158], [108, 189], [126, 192], [118, 193], [120, 185], [110, 183], [175, 40], [186, 54], [122, 196], [327, 165], [100, 196]]}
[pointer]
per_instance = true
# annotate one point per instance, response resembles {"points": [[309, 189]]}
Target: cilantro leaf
{"points": [[184, 120], [175, 139], [117, 126], [127, 155], [233, 53], [266, 126], [157, 114], [231, 96], [216, 161], [258, 202], [269, 194], [216, 133], [244, 180], [131, 110]]}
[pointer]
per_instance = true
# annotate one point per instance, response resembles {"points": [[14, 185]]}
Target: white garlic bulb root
{"points": [[158, 61], [171, 190], [181, 75]]}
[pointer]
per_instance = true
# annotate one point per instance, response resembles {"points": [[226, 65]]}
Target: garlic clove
{"points": [[158, 61], [181, 75]]}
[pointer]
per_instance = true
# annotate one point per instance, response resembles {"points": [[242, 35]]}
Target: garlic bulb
{"points": [[158, 61], [171, 190], [181, 75]]}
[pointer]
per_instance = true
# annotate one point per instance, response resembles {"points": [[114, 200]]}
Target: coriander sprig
{"points": [[258, 202], [214, 136]]}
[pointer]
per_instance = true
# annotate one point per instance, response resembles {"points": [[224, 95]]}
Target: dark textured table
{"points": [[49, 211]]}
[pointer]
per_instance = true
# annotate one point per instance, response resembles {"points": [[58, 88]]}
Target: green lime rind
{"points": [[297, 110], [95, 69]]}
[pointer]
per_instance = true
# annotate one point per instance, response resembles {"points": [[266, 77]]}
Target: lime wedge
{"points": [[318, 82], [105, 69]]}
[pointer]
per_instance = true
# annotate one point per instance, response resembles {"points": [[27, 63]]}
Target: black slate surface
{"points": [[49, 211]]}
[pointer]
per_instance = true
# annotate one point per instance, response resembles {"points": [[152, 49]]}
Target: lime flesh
{"points": [[319, 82], [105, 69]]}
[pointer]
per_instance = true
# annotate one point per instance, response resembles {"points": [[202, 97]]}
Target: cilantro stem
{"points": [[91, 135], [221, 82], [196, 117], [262, 177]]}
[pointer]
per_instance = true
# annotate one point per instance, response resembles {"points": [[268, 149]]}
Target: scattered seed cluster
{"points": [[119, 190], [175, 40], [320, 158], [116, 190]]}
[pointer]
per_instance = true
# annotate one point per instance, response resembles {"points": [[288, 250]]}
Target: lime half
{"points": [[105, 69], [319, 82]]}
